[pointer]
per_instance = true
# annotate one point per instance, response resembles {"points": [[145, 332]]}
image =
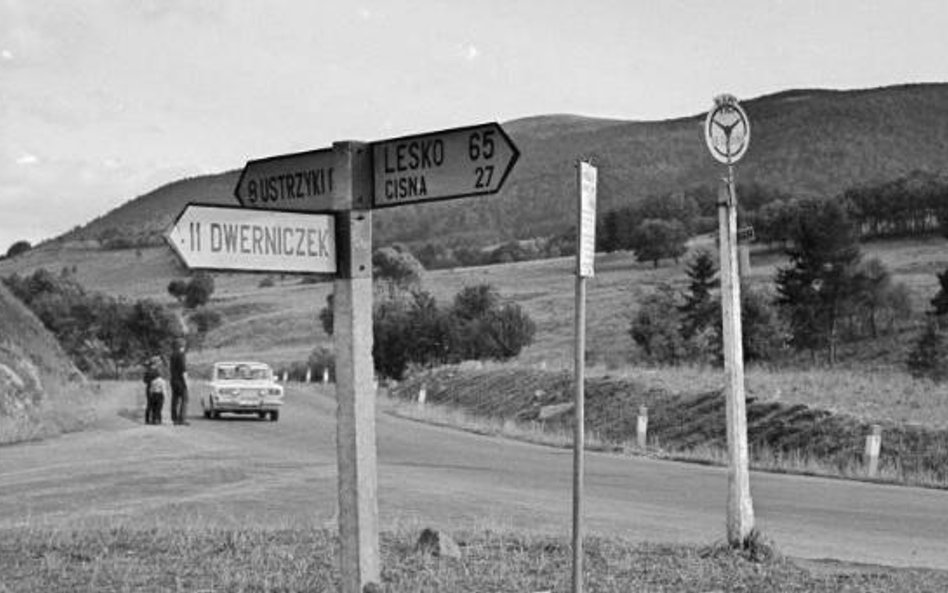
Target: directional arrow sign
{"points": [[302, 181], [231, 238], [455, 163]]}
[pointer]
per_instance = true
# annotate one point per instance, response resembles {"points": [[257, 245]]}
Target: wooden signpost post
{"points": [[727, 133], [311, 212]]}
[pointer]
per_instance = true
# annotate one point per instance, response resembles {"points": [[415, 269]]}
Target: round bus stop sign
{"points": [[727, 130]]}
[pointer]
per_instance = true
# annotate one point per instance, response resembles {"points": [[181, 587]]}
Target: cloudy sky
{"points": [[104, 100]]}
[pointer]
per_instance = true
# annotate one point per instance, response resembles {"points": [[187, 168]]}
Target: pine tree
{"points": [[699, 310], [819, 284]]}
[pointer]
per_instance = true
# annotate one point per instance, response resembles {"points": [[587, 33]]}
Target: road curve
{"points": [[245, 471]]}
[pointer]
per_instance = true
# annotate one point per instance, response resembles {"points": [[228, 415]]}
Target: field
{"points": [[279, 324]]}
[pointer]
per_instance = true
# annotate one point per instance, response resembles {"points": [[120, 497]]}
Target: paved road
{"points": [[239, 471]]}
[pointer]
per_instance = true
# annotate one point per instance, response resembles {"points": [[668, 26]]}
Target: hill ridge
{"points": [[805, 141]]}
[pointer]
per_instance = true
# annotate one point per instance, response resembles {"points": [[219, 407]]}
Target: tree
{"points": [[819, 283], [656, 327], [396, 268], [18, 248], [656, 239], [178, 288], [940, 302], [699, 310], [929, 357], [199, 290]]}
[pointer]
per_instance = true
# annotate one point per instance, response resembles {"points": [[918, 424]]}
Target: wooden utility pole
{"points": [[740, 508], [355, 414], [727, 134]]}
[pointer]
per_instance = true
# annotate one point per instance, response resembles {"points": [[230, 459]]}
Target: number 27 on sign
{"points": [[480, 146]]}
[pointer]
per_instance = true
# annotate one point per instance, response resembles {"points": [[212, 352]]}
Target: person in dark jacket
{"points": [[179, 385], [154, 397]]}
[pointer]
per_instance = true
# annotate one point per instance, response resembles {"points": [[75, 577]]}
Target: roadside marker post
{"points": [[727, 133], [641, 428], [873, 447], [586, 175]]}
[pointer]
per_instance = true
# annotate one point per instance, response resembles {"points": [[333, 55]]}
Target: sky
{"points": [[105, 100]]}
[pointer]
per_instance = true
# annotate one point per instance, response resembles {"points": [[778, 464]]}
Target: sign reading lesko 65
{"points": [[454, 163]]}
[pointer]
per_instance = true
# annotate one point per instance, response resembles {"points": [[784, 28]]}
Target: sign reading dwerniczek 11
{"points": [[235, 239]]}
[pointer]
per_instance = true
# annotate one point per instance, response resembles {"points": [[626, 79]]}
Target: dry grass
{"points": [[203, 558], [786, 432]]}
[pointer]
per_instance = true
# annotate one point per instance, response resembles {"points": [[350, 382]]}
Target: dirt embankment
{"points": [[41, 391], [780, 435]]}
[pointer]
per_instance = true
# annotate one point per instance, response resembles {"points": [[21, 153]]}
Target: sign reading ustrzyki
{"points": [[441, 165], [236, 239], [301, 181]]}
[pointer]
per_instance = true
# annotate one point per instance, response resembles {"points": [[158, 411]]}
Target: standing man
{"points": [[179, 384]]}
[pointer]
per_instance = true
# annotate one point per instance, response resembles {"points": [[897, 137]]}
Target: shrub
{"points": [[929, 356], [656, 327]]}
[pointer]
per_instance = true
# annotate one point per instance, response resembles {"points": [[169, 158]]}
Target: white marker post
{"points": [[585, 260], [355, 416], [727, 132]]}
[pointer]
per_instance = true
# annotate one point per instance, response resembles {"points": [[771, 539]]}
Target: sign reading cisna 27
{"points": [[468, 161]]}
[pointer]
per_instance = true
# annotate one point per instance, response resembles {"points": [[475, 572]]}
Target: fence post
{"points": [[641, 427], [873, 446], [422, 395]]}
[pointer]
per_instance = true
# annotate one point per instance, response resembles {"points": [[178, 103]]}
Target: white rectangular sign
{"points": [[586, 252], [238, 239]]}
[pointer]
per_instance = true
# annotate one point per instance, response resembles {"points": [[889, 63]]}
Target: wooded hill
{"points": [[804, 143]]}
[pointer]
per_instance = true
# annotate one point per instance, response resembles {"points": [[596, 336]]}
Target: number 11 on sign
{"points": [[195, 228]]}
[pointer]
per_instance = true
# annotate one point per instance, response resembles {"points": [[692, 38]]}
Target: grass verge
{"points": [[198, 559], [783, 435]]}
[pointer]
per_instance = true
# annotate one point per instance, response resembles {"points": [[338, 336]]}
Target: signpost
{"points": [[469, 161], [348, 180], [727, 133], [585, 258], [234, 239], [302, 181]]}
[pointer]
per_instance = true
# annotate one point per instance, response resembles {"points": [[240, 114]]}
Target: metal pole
{"points": [[740, 509], [579, 435]]}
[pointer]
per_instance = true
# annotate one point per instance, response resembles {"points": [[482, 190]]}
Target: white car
{"points": [[242, 388]]}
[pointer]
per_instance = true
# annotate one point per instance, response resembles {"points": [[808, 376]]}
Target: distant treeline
{"points": [[657, 226]]}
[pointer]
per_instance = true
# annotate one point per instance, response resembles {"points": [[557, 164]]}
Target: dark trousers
{"points": [[179, 402], [154, 402]]}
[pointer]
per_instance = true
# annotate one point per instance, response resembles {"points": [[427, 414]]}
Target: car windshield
{"points": [[243, 372]]}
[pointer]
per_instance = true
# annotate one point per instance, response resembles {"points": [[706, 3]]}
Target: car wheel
{"points": [[274, 416]]}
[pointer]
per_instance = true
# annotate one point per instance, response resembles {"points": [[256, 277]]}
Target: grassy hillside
{"points": [[41, 391], [804, 142]]}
